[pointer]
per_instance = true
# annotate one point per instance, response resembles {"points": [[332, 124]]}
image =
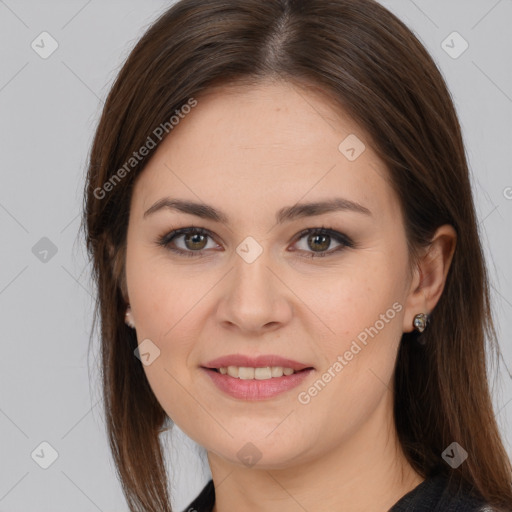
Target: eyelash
{"points": [[344, 240]]}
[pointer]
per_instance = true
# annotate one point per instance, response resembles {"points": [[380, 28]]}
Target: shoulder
{"points": [[204, 501], [438, 494], [435, 494]]}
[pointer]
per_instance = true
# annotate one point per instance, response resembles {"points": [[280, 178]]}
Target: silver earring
{"points": [[420, 321], [128, 318]]}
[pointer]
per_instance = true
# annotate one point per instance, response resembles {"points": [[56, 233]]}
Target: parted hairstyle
{"points": [[371, 65]]}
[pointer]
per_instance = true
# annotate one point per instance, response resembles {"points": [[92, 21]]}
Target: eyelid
{"points": [[171, 235], [339, 237], [343, 240]]}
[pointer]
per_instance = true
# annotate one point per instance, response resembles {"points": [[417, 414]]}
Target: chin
{"points": [[258, 451]]}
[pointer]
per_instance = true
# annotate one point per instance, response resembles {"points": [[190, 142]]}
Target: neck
{"points": [[365, 472]]}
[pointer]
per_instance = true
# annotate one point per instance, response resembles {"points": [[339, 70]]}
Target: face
{"points": [[321, 290]]}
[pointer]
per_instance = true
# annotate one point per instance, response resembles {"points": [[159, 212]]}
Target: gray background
{"points": [[48, 112]]}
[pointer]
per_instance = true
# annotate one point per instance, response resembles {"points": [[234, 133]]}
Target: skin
{"points": [[249, 151]]}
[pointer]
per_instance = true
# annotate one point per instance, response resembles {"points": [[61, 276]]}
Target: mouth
{"points": [[256, 378], [260, 362], [257, 373]]}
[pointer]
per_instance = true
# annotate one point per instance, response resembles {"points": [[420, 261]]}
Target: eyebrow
{"points": [[285, 214]]}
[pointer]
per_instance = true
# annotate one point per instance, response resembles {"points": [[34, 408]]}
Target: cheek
{"points": [[163, 299], [167, 302], [363, 310], [358, 360], [162, 295], [350, 302]]}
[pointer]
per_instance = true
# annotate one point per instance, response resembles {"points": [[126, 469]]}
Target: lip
{"points": [[254, 389], [256, 362]]}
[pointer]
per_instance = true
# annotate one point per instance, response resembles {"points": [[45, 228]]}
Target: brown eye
{"points": [[187, 241], [195, 242], [319, 242]]}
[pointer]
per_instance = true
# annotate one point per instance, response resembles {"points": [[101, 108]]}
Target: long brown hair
{"points": [[370, 64]]}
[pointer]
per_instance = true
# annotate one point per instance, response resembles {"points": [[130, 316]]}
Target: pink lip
{"points": [[253, 389], [256, 362], [256, 389]]}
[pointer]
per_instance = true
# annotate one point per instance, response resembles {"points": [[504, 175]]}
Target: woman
{"points": [[285, 245]]}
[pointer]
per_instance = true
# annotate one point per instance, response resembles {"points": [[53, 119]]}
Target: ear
{"points": [[429, 276]]}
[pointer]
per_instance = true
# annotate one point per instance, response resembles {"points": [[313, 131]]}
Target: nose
{"points": [[254, 299]]}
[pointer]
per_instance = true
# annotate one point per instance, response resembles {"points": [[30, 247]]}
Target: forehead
{"points": [[265, 145]]}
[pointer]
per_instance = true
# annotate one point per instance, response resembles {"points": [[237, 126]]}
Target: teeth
{"points": [[247, 373], [263, 373]]}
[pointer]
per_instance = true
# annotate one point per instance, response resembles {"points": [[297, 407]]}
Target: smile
{"points": [[248, 373], [253, 384]]}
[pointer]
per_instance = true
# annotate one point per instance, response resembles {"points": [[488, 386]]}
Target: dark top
{"points": [[431, 495]]}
